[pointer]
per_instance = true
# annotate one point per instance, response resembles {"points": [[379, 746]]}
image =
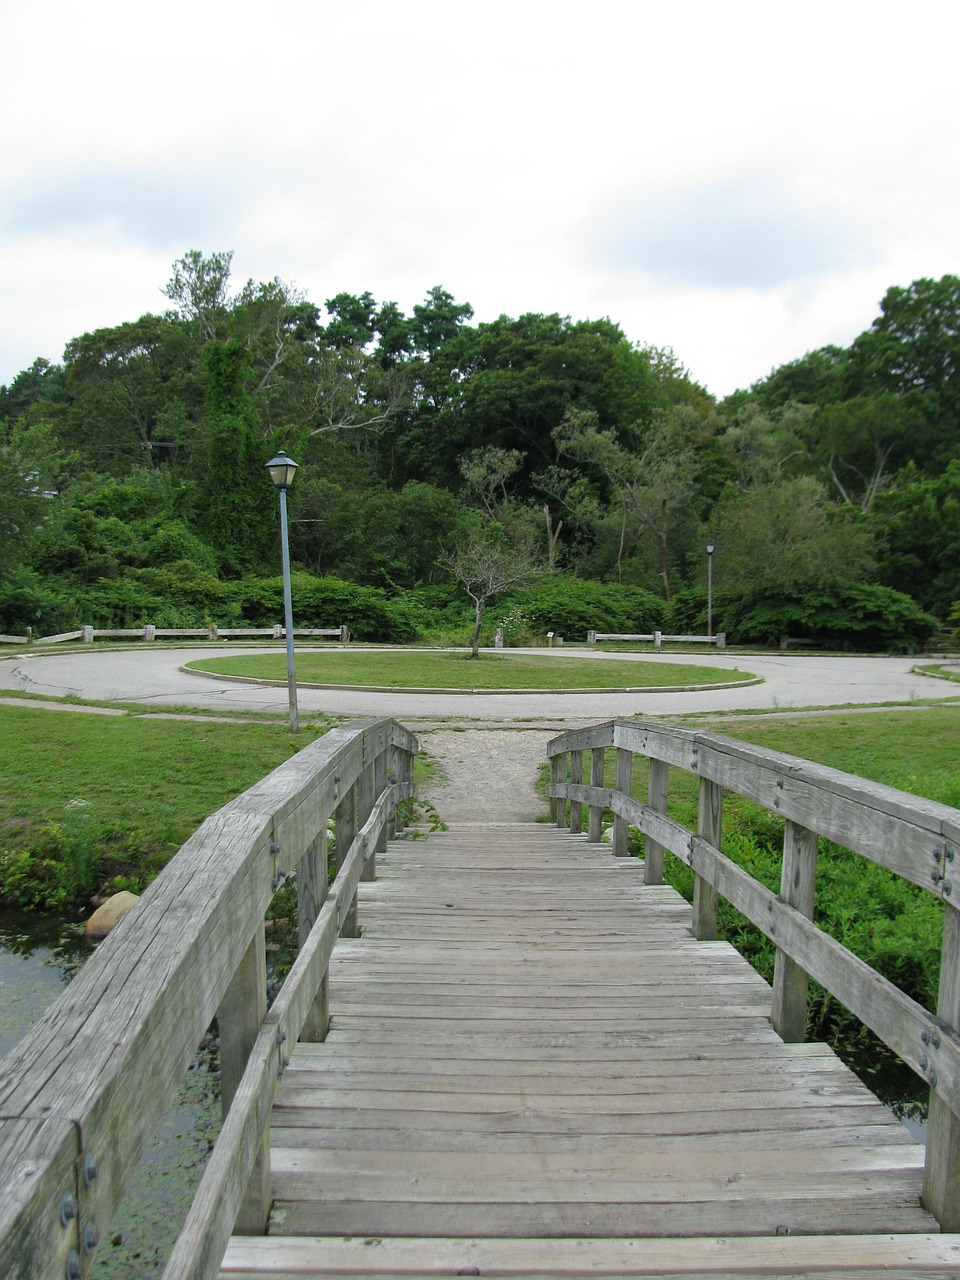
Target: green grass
{"points": [[409, 669], [89, 802], [940, 671]]}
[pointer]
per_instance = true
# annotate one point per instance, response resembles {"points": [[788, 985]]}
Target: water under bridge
{"points": [[506, 1049]]}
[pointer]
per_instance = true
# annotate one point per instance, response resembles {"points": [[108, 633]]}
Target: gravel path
{"points": [[466, 789]]}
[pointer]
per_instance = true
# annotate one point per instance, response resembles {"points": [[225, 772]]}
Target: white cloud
{"points": [[741, 181]]}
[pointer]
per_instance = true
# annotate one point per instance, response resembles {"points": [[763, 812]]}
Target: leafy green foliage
{"points": [[862, 616], [571, 607], [145, 451], [324, 602]]}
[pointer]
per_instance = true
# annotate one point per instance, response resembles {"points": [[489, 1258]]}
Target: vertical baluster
{"points": [[366, 796], [595, 812], [941, 1174], [380, 783], [241, 1012], [576, 808], [312, 885], [709, 822], [658, 786], [560, 809], [797, 886], [621, 827], [346, 821]]}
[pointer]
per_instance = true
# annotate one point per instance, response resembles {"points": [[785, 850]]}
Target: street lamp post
{"points": [[282, 470], [710, 547]]}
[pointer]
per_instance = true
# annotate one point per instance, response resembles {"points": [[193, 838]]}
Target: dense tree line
{"points": [[133, 487]]}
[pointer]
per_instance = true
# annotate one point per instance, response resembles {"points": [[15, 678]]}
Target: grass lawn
{"points": [[131, 787], [416, 668]]}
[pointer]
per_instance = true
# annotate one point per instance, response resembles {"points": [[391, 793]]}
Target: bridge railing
{"points": [[914, 838], [81, 1096]]}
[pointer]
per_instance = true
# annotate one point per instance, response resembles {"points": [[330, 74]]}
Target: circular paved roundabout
{"points": [[157, 677]]}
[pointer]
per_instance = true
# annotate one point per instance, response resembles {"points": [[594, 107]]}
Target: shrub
{"points": [[26, 602], [324, 602], [863, 616], [573, 606]]}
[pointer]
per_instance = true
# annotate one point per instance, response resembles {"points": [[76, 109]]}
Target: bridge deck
{"points": [[534, 1069]]}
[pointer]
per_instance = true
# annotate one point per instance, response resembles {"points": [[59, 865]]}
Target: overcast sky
{"points": [[740, 180]]}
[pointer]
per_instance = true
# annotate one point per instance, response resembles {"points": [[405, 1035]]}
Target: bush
{"points": [[863, 616], [324, 602], [26, 602], [571, 607]]}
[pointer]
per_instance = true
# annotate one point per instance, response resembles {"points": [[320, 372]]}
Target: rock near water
{"points": [[109, 915]]}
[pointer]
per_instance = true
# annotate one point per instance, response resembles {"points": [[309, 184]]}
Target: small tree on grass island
{"points": [[486, 565]]}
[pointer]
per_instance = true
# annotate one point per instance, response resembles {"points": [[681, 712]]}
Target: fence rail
{"points": [[81, 1096], [914, 838], [658, 638], [149, 633]]}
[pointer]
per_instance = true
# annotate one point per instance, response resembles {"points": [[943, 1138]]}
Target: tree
{"points": [[864, 440], [912, 350], [648, 481], [816, 378], [485, 474], [917, 526], [199, 287], [235, 488], [123, 383], [784, 538], [486, 565]]}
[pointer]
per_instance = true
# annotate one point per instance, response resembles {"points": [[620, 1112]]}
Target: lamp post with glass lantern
{"points": [[710, 546], [282, 470]]}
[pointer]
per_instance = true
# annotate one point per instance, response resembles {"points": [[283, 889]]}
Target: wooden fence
{"points": [[658, 638], [149, 633], [80, 1097], [912, 837]]}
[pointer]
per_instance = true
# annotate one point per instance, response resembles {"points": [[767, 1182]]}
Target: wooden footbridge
{"points": [[504, 1050]]}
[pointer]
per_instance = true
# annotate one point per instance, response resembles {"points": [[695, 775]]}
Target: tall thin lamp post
{"points": [[710, 546], [282, 470]]}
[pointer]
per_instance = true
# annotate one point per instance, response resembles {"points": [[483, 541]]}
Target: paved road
{"points": [[155, 676]]}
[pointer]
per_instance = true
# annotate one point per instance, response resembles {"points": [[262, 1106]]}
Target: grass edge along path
{"points": [[455, 671]]}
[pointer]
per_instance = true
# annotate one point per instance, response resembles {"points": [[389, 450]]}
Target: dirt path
{"points": [[485, 775]]}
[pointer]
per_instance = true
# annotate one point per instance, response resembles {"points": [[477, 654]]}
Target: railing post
{"points": [[312, 885], [658, 787], [346, 832], [389, 768], [560, 804], [404, 774], [941, 1174], [367, 792], [241, 1012], [621, 828], [709, 822], [595, 811], [576, 808], [788, 1012]]}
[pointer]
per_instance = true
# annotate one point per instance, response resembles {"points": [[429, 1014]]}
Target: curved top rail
{"points": [[81, 1095]]}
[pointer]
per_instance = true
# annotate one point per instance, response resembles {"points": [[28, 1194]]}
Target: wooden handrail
{"points": [[914, 838], [81, 1095]]}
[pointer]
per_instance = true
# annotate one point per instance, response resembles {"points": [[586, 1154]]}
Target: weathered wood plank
{"points": [[852, 1257], [492, 1066]]}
